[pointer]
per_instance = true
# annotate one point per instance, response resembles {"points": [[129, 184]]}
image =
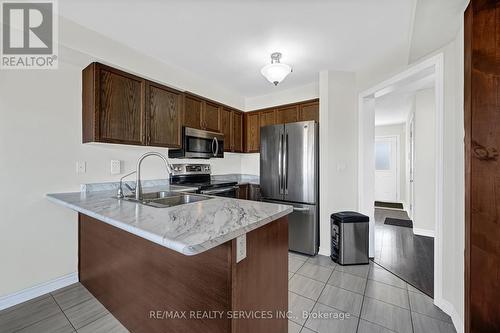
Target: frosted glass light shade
{"points": [[275, 73]]}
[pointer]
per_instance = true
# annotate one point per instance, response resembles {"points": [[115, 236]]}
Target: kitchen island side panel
{"points": [[134, 278], [260, 281]]}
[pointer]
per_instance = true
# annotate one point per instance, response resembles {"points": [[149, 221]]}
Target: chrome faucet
{"points": [[119, 194], [138, 186]]}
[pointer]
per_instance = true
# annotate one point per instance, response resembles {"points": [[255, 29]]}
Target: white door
{"points": [[386, 169]]}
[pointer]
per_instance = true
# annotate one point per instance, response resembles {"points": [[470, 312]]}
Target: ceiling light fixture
{"points": [[276, 71]]}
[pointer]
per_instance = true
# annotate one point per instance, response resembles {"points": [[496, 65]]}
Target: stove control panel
{"points": [[191, 169]]}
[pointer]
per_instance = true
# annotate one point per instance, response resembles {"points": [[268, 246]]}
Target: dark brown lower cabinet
{"points": [[243, 192], [141, 282], [482, 175], [254, 192]]}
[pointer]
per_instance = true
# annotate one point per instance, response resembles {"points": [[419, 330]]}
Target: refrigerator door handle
{"points": [[285, 165], [280, 164]]}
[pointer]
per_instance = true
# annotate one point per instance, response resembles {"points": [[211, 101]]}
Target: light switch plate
{"points": [[241, 248], [81, 167], [116, 167]]}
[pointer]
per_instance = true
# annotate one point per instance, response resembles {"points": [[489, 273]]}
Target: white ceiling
{"points": [[228, 41], [436, 24], [394, 106]]}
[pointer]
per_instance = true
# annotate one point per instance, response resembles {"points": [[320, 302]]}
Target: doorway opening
{"points": [[400, 173]]}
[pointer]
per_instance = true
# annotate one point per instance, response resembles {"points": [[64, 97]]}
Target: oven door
{"points": [[202, 144], [228, 192]]}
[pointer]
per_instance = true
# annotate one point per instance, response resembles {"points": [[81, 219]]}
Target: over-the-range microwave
{"points": [[199, 144]]}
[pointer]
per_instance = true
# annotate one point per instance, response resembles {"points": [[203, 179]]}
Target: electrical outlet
{"points": [[81, 167], [241, 248], [116, 167]]}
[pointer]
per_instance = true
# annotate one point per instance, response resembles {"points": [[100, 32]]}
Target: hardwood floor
{"points": [[408, 256]]}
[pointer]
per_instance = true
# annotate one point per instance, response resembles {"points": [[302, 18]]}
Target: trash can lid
{"points": [[349, 217]]}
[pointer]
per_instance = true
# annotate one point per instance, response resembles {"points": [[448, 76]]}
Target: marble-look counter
{"points": [[241, 179], [189, 229]]}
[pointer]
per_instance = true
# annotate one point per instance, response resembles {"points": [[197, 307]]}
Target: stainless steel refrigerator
{"points": [[289, 174]]}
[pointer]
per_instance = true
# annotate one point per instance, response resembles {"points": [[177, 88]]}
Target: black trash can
{"points": [[350, 232]]}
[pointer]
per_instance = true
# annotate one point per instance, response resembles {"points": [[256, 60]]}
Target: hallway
{"points": [[409, 256]]}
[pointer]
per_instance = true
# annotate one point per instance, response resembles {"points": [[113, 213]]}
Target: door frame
{"points": [[398, 162], [366, 174], [411, 166]]}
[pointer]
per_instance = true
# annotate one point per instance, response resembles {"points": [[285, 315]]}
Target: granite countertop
{"points": [[189, 229], [240, 178]]}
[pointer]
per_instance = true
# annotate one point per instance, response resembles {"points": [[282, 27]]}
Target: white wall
{"points": [[250, 164], [453, 228], [451, 297], [398, 130], [338, 148], [40, 142], [424, 218]]}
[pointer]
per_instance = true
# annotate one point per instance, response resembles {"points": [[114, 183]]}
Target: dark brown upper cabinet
{"points": [[232, 128], [119, 107], [237, 131], [267, 117], [113, 106], [252, 132], [202, 114], [226, 128], [163, 116], [193, 111], [288, 114], [211, 117], [309, 111]]}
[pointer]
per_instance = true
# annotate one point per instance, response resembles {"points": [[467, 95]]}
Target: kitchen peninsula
{"points": [[180, 268]]}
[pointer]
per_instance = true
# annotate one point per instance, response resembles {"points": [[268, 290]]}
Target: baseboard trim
{"points": [[423, 232], [38, 290], [450, 310]]}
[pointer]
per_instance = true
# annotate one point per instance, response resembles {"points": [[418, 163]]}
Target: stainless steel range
{"points": [[198, 175]]}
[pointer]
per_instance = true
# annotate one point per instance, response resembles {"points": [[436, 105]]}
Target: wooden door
{"points": [[226, 128], [288, 114], [164, 114], [120, 107], [267, 117], [193, 109], [238, 131], [309, 111], [482, 165], [211, 117], [252, 132]]}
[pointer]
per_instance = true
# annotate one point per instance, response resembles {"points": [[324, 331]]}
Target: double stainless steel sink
{"points": [[164, 199]]}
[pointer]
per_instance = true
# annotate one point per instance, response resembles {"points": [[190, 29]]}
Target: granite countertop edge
{"points": [[188, 247]]}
